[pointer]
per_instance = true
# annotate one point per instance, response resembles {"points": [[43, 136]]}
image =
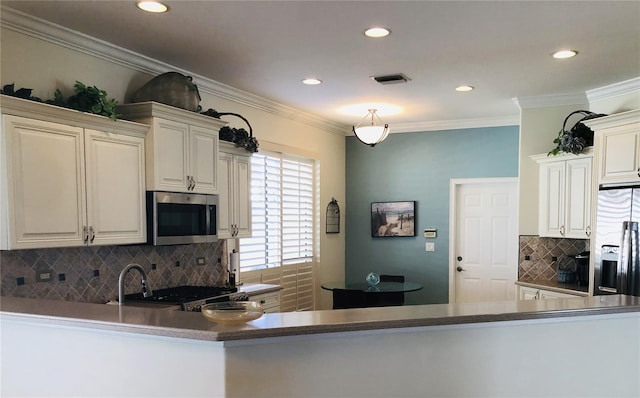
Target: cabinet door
{"points": [[546, 294], [170, 156], [578, 199], [234, 196], [45, 183], [242, 196], [203, 152], [527, 293], [552, 199], [115, 188], [620, 157], [225, 208], [270, 302]]}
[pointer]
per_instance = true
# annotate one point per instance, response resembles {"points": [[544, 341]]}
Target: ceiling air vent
{"points": [[391, 79]]}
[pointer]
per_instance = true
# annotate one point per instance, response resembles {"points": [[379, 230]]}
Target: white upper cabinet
{"points": [[71, 179], [564, 206], [234, 197], [115, 188], [617, 138], [181, 147]]}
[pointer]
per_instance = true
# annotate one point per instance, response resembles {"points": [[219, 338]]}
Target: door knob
{"points": [[459, 258], [460, 269]]}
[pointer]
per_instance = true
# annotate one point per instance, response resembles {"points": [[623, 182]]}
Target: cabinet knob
{"points": [[588, 230], [638, 171], [562, 230]]}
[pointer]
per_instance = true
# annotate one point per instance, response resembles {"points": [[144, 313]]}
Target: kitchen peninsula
{"points": [[511, 348]]}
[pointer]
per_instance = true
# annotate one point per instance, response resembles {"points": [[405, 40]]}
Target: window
{"points": [[282, 212]]}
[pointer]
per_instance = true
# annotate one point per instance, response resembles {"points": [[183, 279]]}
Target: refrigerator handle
{"points": [[607, 289], [628, 258]]}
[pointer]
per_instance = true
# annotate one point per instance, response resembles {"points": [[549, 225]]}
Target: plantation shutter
{"points": [[297, 211], [282, 212]]}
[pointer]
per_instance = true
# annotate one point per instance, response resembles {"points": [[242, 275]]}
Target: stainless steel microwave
{"points": [[175, 218]]}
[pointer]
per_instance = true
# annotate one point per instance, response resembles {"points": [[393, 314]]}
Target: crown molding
{"points": [[64, 37], [455, 124], [545, 101], [613, 90], [616, 120]]}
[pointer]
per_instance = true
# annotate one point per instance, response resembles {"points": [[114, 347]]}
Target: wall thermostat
{"points": [[430, 232]]}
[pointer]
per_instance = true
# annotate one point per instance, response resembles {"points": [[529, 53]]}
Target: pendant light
{"points": [[371, 130]]}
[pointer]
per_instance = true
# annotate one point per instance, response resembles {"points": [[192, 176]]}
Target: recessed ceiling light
{"points": [[564, 54], [152, 6], [464, 88], [377, 32], [311, 81]]}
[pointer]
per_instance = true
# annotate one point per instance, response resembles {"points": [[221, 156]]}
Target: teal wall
{"points": [[417, 166]]}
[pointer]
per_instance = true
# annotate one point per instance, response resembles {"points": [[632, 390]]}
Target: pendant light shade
{"points": [[371, 130]]}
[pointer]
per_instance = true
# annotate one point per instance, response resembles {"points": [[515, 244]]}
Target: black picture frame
{"points": [[393, 219]]}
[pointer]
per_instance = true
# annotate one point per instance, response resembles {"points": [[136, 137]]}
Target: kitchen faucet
{"points": [[146, 290]]}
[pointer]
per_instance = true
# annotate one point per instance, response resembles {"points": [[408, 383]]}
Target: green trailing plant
{"points": [[89, 99]]}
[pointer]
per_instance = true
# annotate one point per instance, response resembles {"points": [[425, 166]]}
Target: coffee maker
{"points": [[582, 268]]}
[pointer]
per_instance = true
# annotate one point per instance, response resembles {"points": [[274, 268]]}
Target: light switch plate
{"points": [[430, 246]]}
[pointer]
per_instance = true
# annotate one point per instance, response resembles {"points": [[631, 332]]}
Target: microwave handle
{"points": [[212, 222]]}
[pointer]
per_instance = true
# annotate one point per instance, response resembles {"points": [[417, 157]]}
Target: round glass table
{"points": [[382, 287]]}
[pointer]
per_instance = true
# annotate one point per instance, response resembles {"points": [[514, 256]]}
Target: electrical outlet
{"points": [[200, 260], [430, 246], [44, 275]]}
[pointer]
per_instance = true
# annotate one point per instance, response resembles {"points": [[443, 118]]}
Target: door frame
{"points": [[454, 183]]}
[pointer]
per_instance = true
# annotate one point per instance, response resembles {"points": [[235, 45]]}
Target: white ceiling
{"points": [[267, 47]]}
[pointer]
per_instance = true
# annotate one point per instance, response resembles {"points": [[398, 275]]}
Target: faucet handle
{"points": [[146, 291]]}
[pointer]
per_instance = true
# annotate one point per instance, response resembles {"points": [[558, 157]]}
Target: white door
{"points": [[484, 255]]}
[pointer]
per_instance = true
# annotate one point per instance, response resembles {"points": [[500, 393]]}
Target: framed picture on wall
{"points": [[392, 219]]}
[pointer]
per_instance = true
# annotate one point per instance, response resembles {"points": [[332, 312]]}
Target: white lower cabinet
{"points": [[270, 302], [67, 185], [234, 196], [530, 293]]}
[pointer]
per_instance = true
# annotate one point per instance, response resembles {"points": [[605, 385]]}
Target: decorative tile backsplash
{"points": [[91, 273], [539, 256]]}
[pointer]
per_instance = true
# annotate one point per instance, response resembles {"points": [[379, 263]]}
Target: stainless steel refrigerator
{"points": [[617, 263]]}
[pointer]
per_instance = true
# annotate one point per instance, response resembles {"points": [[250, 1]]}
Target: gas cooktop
{"points": [[182, 294]]}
